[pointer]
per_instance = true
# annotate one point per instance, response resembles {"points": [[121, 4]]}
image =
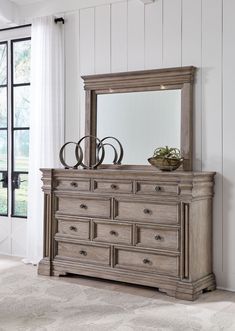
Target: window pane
{"points": [[21, 106], [3, 64], [21, 61], [3, 197], [3, 107], [20, 197], [21, 150], [3, 150]]}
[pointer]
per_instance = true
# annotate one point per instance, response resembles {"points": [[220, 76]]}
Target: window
{"points": [[3, 130], [14, 126]]}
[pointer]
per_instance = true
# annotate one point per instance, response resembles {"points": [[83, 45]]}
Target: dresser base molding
{"points": [[45, 267], [191, 291], [173, 287]]}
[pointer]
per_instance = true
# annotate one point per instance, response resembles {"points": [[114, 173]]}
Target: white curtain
{"points": [[47, 121]]}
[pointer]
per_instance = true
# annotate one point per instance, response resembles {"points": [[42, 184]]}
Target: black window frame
{"points": [[7, 127], [15, 173]]}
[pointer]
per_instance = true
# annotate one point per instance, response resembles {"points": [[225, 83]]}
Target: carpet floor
{"points": [[34, 303]]}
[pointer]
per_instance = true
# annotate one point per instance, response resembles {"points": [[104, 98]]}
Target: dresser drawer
{"points": [[72, 185], [112, 233], [167, 213], [106, 186], [146, 262], [84, 253], [157, 237], [87, 207], [79, 228], [155, 188]]}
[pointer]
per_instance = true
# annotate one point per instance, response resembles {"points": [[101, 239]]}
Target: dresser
{"points": [[143, 227]]}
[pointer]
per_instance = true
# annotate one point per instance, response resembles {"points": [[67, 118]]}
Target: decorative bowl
{"points": [[165, 164]]}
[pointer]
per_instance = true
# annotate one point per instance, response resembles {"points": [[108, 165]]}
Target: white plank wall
{"points": [[102, 39], [172, 36], [153, 35], [72, 80], [119, 37], [135, 35], [87, 55], [212, 131], [87, 41], [131, 36], [228, 142], [192, 55]]}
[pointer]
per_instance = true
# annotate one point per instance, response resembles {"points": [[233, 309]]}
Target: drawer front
{"points": [[156, 188], [144, 211], [84, 253], [79, 229], [85, 207], [113, 186], [72, 185], [146, 262], [156, 237], [112, 233]]}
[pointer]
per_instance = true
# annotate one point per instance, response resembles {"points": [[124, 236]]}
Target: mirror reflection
{"points": [[141, 121]]}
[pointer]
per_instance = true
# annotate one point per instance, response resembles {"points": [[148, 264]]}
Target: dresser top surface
{"points": [[131, 173]]}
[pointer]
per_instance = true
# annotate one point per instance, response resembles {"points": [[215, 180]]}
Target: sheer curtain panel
{"points": [[47, 121]]}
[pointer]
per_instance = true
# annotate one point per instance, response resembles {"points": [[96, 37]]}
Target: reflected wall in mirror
{"points": [[141, 121], [144, 110]]}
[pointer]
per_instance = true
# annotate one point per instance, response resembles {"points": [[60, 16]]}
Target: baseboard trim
{"points": [[225, 289]]}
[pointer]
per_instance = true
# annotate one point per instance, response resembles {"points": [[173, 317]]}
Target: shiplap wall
{"points": [[131, 36]]}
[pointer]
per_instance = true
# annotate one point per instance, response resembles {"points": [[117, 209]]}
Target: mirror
{"points": [[141, 121], [144, 110]]}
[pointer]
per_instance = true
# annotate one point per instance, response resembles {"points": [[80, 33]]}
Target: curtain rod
{"points": [[59, 20], [16, 27]]}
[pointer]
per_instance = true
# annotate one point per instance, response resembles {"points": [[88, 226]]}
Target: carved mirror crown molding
{"points": [[148, 80]]}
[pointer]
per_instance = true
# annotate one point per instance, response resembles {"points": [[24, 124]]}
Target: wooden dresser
{"points": [[143, 227]]}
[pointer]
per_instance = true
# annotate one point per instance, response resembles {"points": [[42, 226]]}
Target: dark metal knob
{"points": [[147, 211], [146, 261], [83, 206], [114, 187], [74, 184], [73, 228], [158, 237], [113, 233], [84, 253], [158, 188]]}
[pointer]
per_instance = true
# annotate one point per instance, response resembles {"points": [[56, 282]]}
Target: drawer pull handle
{"points": [[74, 184], [114, 187], [83, 206], [73, 228], [158, 188], [113, 233], [146, 261], [84, 253], [158, 237], [147, 211]]}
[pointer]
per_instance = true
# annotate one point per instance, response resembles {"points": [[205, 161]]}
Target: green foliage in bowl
{"points": [[166, 158]]}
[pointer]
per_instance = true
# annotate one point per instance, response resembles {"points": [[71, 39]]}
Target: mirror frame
{"points": [[181, 78]]}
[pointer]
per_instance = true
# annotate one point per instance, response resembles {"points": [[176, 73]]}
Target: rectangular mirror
{"points": [[144, 110], [141, 121]]}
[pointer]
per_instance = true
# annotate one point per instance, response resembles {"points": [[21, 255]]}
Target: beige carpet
{"points": [[29, 302]]}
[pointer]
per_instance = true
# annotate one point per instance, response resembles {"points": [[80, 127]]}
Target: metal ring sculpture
{"points": [[78, 153], [99, 147], [121, 152], [114, 150], [99, 161]]}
